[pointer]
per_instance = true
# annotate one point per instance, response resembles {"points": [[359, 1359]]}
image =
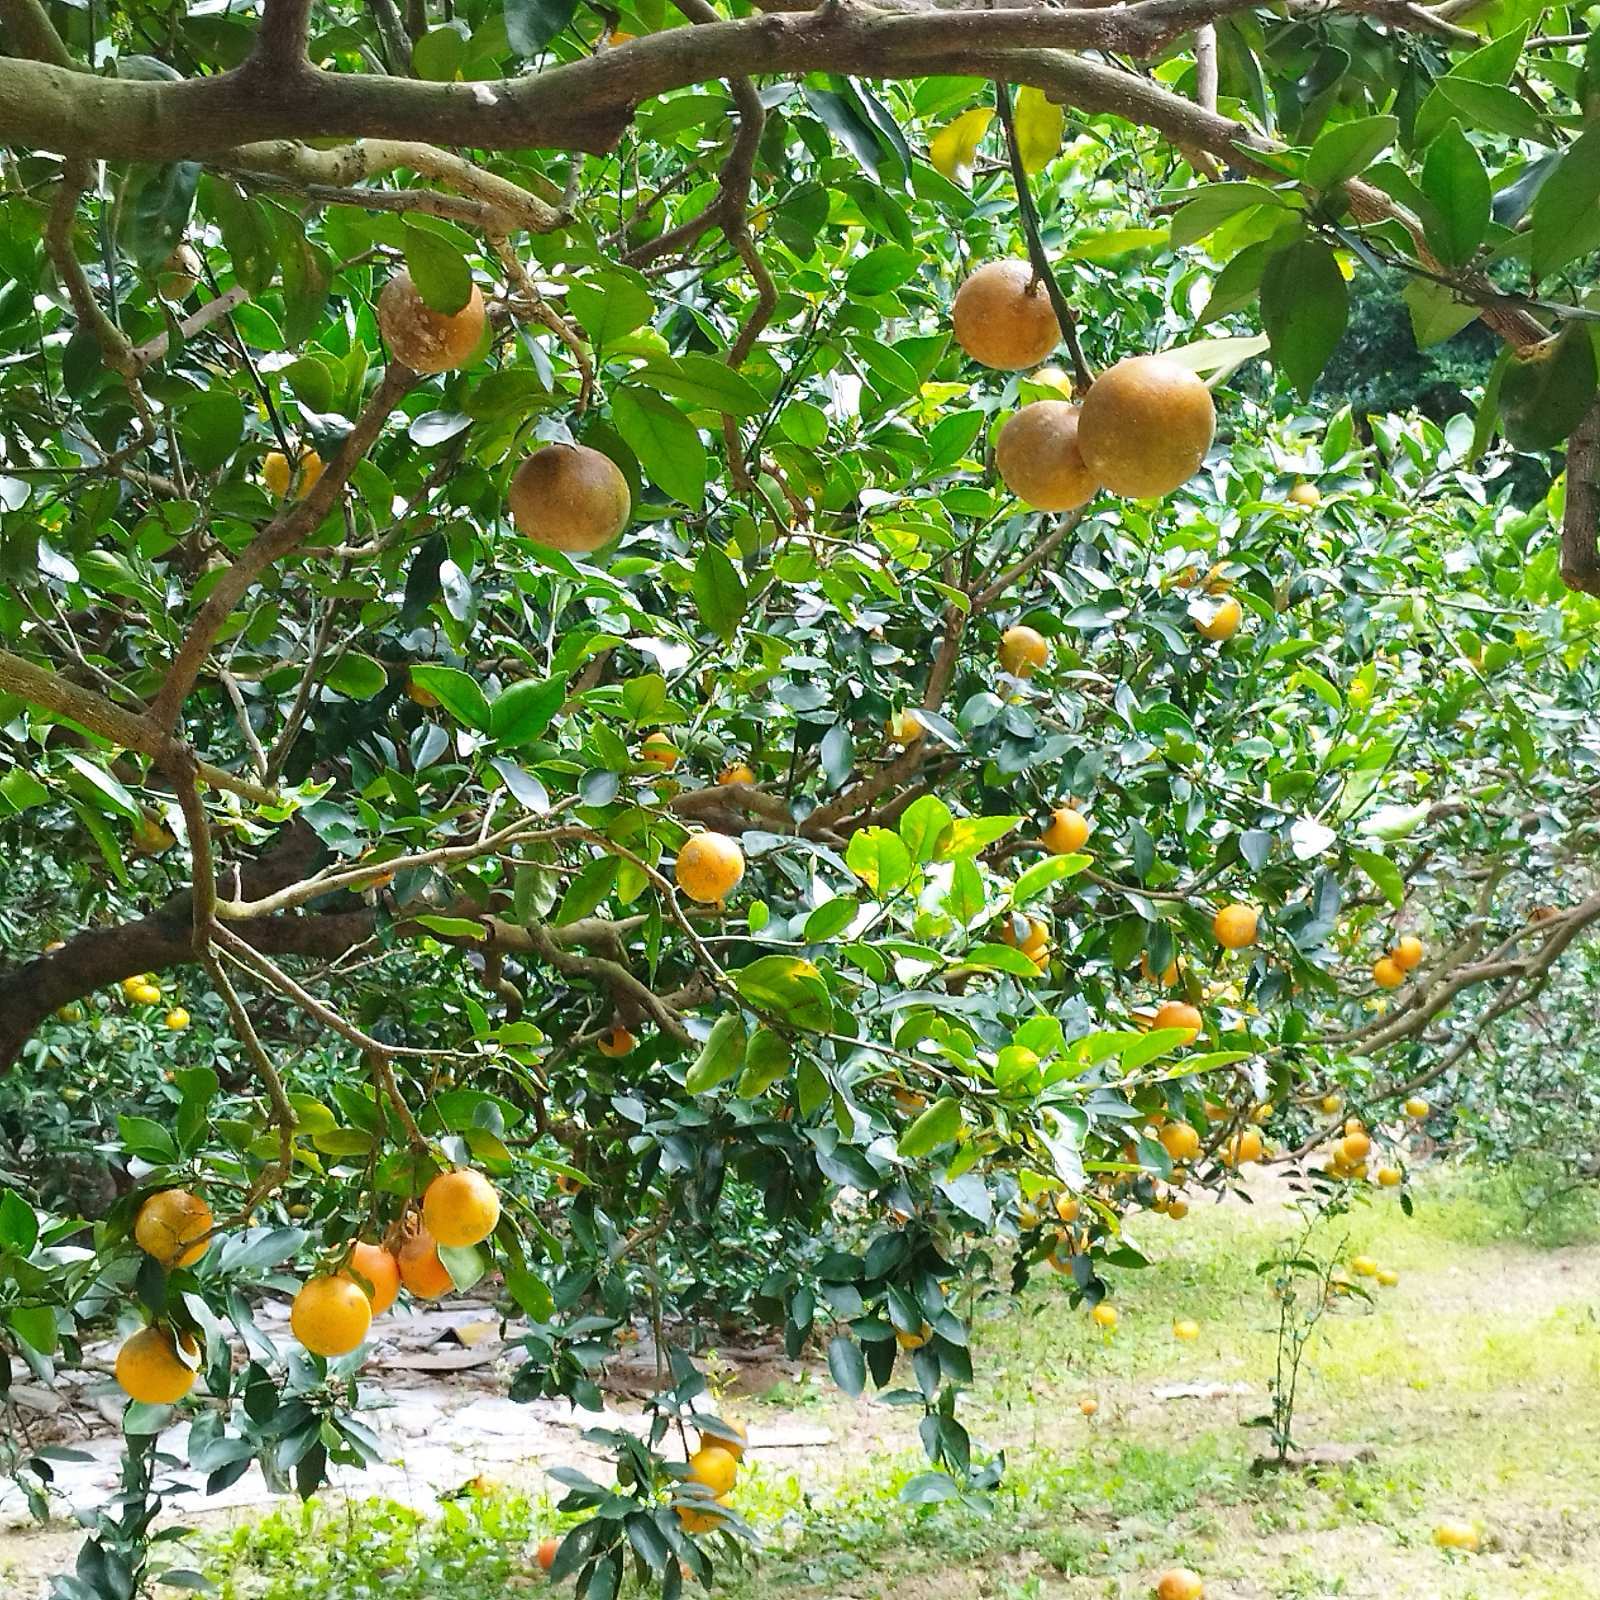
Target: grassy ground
{"points": [[1475, 1382]]}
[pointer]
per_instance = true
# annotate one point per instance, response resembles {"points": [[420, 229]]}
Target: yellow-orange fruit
{"points": [[713, 1467], [904, 727], [375, 1270], [421, 1270], [1221, 624], [695, 1520], [1105, 1315], [1354, 1147], [460, 1208], [1243, 1148], [179, 274], [1038, 457], [1456, 1536], [1067, 833], [1416, 1108], [1023, 651], [1186, 1329], [569, 497], [424, 339], [1067, 1207], [1002, 317], [1235, 926], [709, 866], [1305, 494], [1407, 954], [1386, 973], [150, 1368], [1179, 1014], [913, 1341], [330, 1316], [1179, 1583], [1145, 426], [173, 1226], [1390, 1177], [1180, 1141], [615, 1041], [737, 772], [658, 750], [546, 1554]]}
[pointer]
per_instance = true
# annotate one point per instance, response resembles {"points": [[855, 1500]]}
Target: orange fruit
{"points": [[737, 772], [1168, 976], [1180, 1141], [1179, 1014], [1354, 1147], [330, 1316], [1068, 830], [1179, 1583], [152, 1368], [1067, 1207], [1222, 622], [1186, 1330], [1305, 494], [1387, 1277], [709, 866], [421, 1270], [735, 1447], [1002, 317], [460, 1208], [1023, 651], [1407, 954], [276, 473], [1386, 973], [1390, 1177], [1235, 926], [904, 728], [1105, 1316], [546, 1555], [1243, 1148], [1177, 1209], [695, 1520], [1456, 1536], [177, 1019], [1037, 456], [1088, 1405], [1145, 426], [424, 339], [715, 1468], [913, 1341], [173, 1226], [659, 751], [375, 1270], [615, 1041], [569, 497]]}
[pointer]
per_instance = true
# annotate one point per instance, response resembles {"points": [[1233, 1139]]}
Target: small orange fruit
{"points": [[330, 1316], [1088, 1405], [715, 1468], [1180, 1141], [569, 497], [1407, 954], [174, 1227], [421, 1270], [1390, 1177], [615, 1041], [1364, 1266], [1179, 1583], [152, 1368], [913, 1341], [1386, 973], [1067, 1207], [737, 772], [659, 751], [1105, 1316], [460, 1208], [1416, 1108], [546, 1555], [1068, 831], [1354, 1147], [1306, 494], [1456, 1536], [695, 1520], [1177, 1208], [1186, 1330], [1387, 1277], [1235, 926], [375, 1270], [1023, 651], [424, 339], [1002, 317], [1243, 1148], [1179, 1014], [904, 728], [709, 866], [1221, 622], [177, 1019]]}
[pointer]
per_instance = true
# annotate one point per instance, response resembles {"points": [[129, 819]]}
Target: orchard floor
{"points": [[1475, 1385]]}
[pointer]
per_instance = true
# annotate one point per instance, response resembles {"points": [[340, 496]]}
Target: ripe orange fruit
{"points": [[659, 751], [1416, 1108], [460, 1208], [736, 772], [173, 1226], [1177, 1208], [424, 339], [1222, 622], [615, 1041], [151, 1368], [1179, 1014], [709, 866], [177, 1019], [1088, 1405], [1354, 1147], [275, 473], [1186, 1330], [1179, 1583], [904, 728], [735, 1447], [1243, 1148], [375, 1270], [714, 1467], [546, 1555], [1023, 651], [1145, 426], [1305, 494], [1068, 831], [1180, 1141], [1364, 1266], [1235, 926], [1002, 317], [1067, 1207], [1456, 1536], [421, 1270], [1038, 458], [1169, 974], [145, 994], [1386, 974], [913, 1341], [569, 497], [695, 1520], [330, 1316], [418, 694], [1330, 1105], [1407, 954], [1390, 1177], [1105, 1316]]}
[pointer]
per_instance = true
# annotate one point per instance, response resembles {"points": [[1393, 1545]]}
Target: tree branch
{"points": [[282, 38]]}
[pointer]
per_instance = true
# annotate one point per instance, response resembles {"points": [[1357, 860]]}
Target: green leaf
{"points": [[147, 1139], [1304, 306], [879, 858], [880, 270], [1214, 205], [530, 1292], [1546, 389], [592, 885], [465, 1264], [968, 835], [458, 693], [789, 987], [667, 444], [20, 790], [105, 791], [1494, 108], [19, 1227], [1570, 194], [768, 1059], [923, 824], [831, 918], [1001, 958], [719, 592], [1384, 873], [1347, 149], [609, 306], [453, 927], [702, 380], [1039, 877], [356, 676], [1454, 180], [210, 428], [1436, 313], [847, 1365], [35, 1326], [532, 24], [720, 1057], [155, 210], [521, 713], [438, 269], [937, 1126]]}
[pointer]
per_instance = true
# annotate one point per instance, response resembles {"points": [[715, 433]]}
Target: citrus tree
{"points": [[744, 616]]}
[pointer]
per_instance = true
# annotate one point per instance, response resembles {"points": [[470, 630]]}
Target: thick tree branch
{"points": [[282, 38]]}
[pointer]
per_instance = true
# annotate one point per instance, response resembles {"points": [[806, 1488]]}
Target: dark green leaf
{"points": [[1304, 305]]}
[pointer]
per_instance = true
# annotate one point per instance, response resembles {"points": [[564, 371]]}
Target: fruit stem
{"points": [[1082, 372]]}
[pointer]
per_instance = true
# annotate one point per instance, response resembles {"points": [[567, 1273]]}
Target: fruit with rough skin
{"points": [[1179, 1014], [1221, 623], [1180, 1141], [151, 1367], [571, 498], [1145, 426], [1023, 651], [1067, 833], [1386, 973], [424, 339], [615, 1041], [330, 1316], [1180, 1583], [1038, 458], [375, 1271], [709, 867], [1002, 317], [1235, 926], [421, 1270], [460, 1208], [174, 1226], [1407, 953]]}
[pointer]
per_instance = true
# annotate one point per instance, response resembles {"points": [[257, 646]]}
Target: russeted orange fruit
{"points": [[1002, 317], [1235, 926], [1407, 954], [1145, 426], [421, 1270], [330, 1316], [174, 1227], [709, 866], [1179, 1014], [615, 1041], [152, 1368], [1038, 457], [375, 1270], [1180, 1141], [460, 1208], [1023, 650], [1067, 832], [424, 339], [569, 497]]}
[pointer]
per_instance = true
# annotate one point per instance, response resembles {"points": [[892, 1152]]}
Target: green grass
{"points": [[1474, 1383]]}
